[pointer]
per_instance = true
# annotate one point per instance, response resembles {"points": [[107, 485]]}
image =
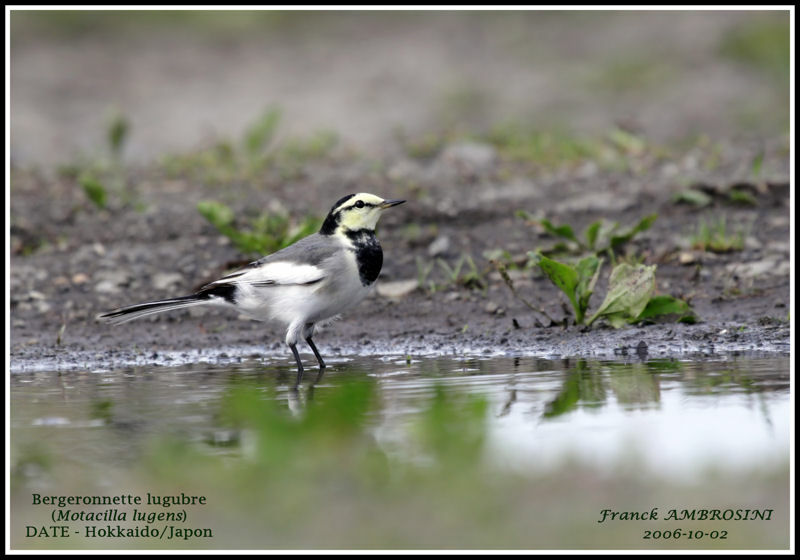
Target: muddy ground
{"points": [[71, 260]]}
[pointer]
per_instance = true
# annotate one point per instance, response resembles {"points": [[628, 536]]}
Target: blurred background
{"points": [[183, 78]]}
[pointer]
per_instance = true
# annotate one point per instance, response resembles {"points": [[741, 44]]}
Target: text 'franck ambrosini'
{"points": [[690, 514]]}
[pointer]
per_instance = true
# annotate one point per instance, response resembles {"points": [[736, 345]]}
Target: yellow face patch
{"points": [[362, 211]]}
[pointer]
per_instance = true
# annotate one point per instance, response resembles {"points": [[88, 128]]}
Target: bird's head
{"points": [[356, 212]]}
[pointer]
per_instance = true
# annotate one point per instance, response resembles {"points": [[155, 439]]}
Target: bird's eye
{"points": [[360, 204]]}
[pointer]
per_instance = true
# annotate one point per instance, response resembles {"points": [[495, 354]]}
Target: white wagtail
{"points": [[302, 285]]}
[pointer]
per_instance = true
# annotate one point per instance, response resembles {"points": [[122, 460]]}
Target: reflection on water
{"points": [[404, 453], [675, 416]]}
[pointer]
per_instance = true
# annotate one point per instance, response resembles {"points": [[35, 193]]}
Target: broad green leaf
{"points": [[563, 276], [624, 237], [588, 270], [664, 305], [95, 190], [603, 233], [693, 197], [564, 231], [627, 142], [740, 196], [629, 289], [590, 233]]}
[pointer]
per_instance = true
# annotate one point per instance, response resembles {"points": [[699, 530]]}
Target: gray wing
{"points": [[313, 250], [299, 263]]}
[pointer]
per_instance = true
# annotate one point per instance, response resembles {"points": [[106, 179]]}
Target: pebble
{"points": [[397, 289], [772, 267], [439, 246], [110, 281], [165, 280]]}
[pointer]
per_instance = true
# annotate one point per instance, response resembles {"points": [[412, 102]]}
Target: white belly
{"points": [[298, 305]]}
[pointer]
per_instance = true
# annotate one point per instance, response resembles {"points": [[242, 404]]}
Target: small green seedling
{"points": [[423, 271], [741, 196], [470, 279], [266, 234], [716, 238], [118, 128], [95, 190], [693, 197], [599, 237]]}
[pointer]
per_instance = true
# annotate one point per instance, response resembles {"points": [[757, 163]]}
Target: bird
{"points": [[302, 286]]}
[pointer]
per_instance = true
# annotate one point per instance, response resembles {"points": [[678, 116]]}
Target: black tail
{"points": [[125, 314]]}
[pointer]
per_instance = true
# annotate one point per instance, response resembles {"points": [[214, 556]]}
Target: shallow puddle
{"points": [[677, 416], [671, 420]]}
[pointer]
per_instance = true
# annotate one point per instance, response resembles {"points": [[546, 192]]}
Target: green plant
{"points": [[715, 237], [469, 279], [267, 233], [102, 177], [630, 297], [601, 236], [694, 197], [423, 272], [94, 190], [741, 196], [576, 282], [118, 128]]}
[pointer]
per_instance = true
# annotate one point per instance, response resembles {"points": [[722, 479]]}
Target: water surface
{"points": [[668, 421]]}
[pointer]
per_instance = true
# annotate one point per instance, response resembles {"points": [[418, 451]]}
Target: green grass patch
{"points": [[265, 234], [716, 237], [600, 237]]}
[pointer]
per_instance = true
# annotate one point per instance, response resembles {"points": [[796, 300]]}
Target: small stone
{"points": [[491, 307], [765, 267], [110, 281], [397, 289], [439, 246], [106, 287], [80, 278], [165, 280], [687, 257], [752, 243]]}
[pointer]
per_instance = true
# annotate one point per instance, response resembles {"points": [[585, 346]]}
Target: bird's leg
{"points": [[299, 364], [316, 353]]}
